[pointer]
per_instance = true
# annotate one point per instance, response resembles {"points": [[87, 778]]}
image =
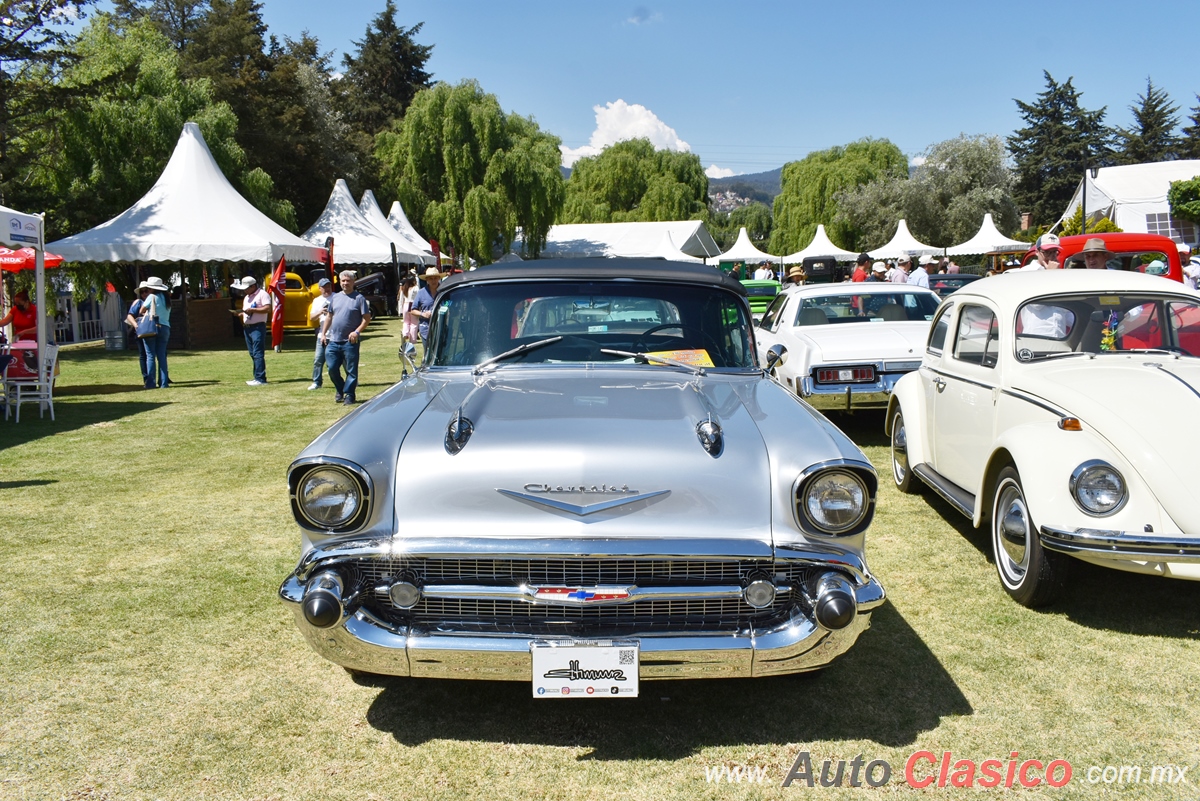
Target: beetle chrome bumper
{"points": [[797, 644], [1128, 545]]}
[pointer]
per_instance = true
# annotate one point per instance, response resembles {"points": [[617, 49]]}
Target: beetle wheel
{"points": [[901, 470], [1030, 574]]}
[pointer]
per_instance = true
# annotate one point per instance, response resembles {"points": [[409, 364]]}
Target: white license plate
{"points": [[585, 669]]}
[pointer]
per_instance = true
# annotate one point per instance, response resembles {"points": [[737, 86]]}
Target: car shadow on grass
{"points": [[889, 688], [68, 417]]}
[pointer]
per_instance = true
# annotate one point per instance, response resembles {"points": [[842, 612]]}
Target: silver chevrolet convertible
{"points": [[587, 483]]}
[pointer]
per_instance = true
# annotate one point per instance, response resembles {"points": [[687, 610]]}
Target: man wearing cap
{"points": [[920, 276], [1047, 249], [423, 306], [1191, 268], [256, 307], [1096, 254], [878, 271], [860, 268], [764, 272], [317, 312], [900, 271], [349, 313]]}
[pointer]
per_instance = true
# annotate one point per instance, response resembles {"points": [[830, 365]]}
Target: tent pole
{"points": [[39, 270]]}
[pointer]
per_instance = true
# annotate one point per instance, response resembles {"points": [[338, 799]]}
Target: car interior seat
{"points": [[812, 317]]}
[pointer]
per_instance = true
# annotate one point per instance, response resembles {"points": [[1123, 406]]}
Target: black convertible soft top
{"points": [[599, 269]]}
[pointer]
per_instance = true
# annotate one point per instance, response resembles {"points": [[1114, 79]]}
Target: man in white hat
{"points": [[349, 314], [256, 307], [423, 307], [920, 276], [900, 271]]}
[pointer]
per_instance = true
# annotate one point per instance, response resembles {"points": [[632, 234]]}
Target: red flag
{"points": [[276, 287]]}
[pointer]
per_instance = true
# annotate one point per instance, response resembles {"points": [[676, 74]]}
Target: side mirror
{"points": [[776, 355]]}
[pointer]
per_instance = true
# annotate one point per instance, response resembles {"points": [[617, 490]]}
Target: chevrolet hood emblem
{"points": [[581, 509]]}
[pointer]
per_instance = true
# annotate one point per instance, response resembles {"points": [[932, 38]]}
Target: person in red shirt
{"points": [[861, 267], [23, 316]]}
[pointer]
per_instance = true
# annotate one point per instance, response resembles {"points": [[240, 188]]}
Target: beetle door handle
{"points": [[939, 383]]}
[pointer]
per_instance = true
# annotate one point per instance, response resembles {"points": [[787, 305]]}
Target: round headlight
{"points": [[1098, 488], [835, 502], [329, 497]]}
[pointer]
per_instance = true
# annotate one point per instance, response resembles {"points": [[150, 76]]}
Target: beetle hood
{"points": [[564, 452], [1147, 408]]}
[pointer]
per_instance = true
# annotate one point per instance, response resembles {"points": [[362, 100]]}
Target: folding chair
{"points": [[22, 390]]}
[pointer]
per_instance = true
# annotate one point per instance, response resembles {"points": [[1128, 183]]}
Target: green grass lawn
{"points": [[145, 654]]}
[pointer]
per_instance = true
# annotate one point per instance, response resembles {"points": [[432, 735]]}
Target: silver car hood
{"points": [[585, 453]]}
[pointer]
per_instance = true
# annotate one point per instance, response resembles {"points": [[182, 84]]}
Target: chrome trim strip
{"points": [[1130, 545], [528, 593], [944, 374], [521, 548], [1030, 399], [1176, 377], [950, 492], [577, 509]]}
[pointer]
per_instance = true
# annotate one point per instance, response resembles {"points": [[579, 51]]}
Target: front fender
{"points": [[909, 397]]}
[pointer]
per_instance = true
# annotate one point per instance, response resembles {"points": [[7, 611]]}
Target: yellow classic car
{"points": [[297, 297]]}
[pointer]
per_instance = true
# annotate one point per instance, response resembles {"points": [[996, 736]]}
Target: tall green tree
{"points": [[178, 20], [630, 181], [1184, 197], [810, 188], [469, 175], [115, 145], [1152, 136], [1059, 141], [33, 51], [380, 79], [958, 181], [1189, 142]]}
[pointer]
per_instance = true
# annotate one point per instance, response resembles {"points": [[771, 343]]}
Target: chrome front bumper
{"points": [[364, 642], [1133, 546], [848, 397]]}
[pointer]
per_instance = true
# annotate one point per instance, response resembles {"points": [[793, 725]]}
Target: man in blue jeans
{"points": [[349, 314], [256, 307]]}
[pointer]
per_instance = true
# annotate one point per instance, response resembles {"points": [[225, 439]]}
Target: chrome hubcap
{"points": [[899, 451], [1013, 532]]}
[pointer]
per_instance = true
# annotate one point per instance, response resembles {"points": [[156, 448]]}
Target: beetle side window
{"points": [[937, 334], [977, 340], [770, 318]]}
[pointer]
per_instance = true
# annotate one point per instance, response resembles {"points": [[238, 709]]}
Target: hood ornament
{"points": [[538, 493], [711, 438], [458, 432]]}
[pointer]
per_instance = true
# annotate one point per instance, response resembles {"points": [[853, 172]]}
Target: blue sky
{"points": [[750, 85]]}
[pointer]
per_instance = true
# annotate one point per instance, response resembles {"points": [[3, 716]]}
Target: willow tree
{"points": [[630, 181], [469, 175], [810, 187]]}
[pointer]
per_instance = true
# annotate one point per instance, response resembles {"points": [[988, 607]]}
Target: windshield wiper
{"points": [[1164, 351], [650, 357], [517, 351]]}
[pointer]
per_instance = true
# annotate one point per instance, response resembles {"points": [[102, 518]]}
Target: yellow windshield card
{"points": [[1109, 300], [696, 358]]}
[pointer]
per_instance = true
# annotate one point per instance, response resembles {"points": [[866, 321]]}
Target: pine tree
{"points": [[1152, 136], [1189, 143], [1060, 140], [389, 69]]}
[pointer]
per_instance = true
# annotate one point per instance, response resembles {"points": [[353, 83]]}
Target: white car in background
{"points": [[847, 343]]}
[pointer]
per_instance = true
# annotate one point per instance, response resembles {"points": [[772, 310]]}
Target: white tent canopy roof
{"points": [[821, 245], [743, 250], [626, 240], [399, 220], [1127, 194], [192, 213], [904, 243], [987, 240], [406, 251], [355, 240], [667, 250]]}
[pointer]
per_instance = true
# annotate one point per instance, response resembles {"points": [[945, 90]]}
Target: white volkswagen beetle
{"points": [[848, 343], [1059, 408]]}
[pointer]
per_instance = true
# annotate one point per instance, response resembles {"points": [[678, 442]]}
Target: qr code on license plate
{"points": [[625, 656]]}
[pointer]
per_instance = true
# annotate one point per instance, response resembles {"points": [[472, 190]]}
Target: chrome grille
{"points": [[582, 572]]}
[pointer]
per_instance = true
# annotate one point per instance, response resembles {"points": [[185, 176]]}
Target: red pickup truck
{"points": [[1130, 252]]}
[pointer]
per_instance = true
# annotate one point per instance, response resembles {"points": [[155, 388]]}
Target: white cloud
{"points": [[916, 161], [714, 171], [618, 121], [643, 16]]}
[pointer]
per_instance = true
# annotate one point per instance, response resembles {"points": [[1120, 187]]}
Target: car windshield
{"points": [[848, 307], [697, 325], [1108, 323]]}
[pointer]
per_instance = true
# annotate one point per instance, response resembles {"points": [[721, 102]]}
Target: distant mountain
{"points": [[759, 186]]}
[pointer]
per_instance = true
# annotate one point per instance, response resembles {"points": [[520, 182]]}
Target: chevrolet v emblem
{"points": [[581, 509]]}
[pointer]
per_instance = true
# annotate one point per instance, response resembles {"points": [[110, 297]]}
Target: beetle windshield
{"points": [[697, 325], [1048, 327]]}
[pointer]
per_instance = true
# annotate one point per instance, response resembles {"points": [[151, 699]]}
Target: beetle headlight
{"points": [[329, 496], [1098, 488], [834, 502]]}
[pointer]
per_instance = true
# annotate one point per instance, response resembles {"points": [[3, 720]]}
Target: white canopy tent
{"points": [[1134, 196], [21, 230], [744, 250], [668, 251], [902, 244], [192, 213], [355, 239], [406, 251], [821, 245], [626, 240], [987, 240], [399, 220]]}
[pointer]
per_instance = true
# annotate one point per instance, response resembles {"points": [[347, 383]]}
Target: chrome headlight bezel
{"points": [[1078, 485], [860, 476], [356, 480]]}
